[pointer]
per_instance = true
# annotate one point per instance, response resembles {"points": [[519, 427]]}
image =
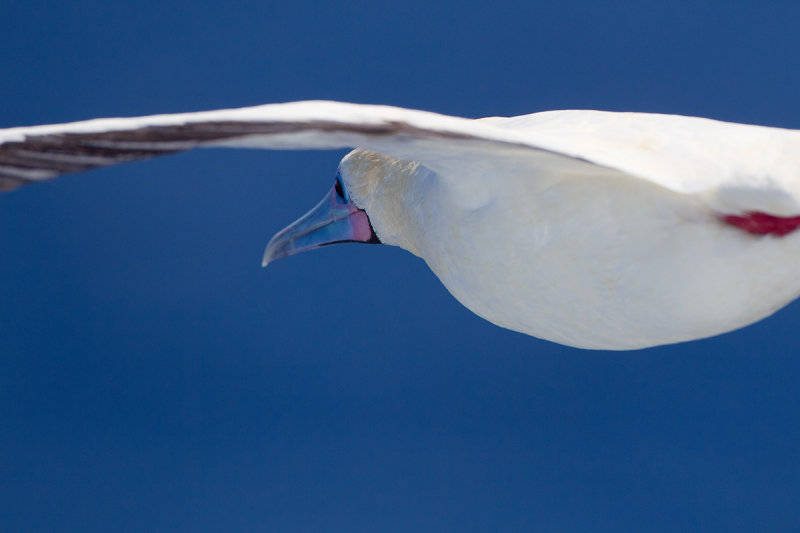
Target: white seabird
{"points": [[592, 229]]}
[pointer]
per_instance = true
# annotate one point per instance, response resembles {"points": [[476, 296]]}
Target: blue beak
{"points": [[335, 219]]}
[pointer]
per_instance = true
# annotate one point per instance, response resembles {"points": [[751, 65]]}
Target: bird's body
{"points": [[591, 229], [589, 259]]}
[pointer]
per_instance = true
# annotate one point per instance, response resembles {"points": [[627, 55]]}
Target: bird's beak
{"points": [[335, 219]]}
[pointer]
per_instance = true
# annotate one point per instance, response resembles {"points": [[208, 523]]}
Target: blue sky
{"points": [[154, 378]]}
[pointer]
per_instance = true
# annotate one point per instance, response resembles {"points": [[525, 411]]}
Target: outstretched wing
{"points": [[39, 153], [734, 167]]}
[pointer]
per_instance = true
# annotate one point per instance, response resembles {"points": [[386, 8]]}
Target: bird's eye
{"points": [[339, 188]]}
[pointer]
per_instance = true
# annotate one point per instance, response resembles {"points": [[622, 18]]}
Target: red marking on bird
{"points": [[763, 224]]}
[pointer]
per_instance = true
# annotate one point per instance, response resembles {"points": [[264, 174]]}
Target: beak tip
{"points": [[269, 255]]}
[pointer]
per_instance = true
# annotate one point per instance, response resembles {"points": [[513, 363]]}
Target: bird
{"points": [[592, 229]]}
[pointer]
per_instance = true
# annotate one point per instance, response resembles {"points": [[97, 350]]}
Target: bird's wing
{"points": [[38, 153], [746, 166], [733, 167]]}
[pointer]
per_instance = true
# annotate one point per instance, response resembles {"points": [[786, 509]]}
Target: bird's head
{"points": [[366, 182]]}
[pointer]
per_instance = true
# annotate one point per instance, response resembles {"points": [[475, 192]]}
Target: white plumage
{"points": [[592, 229]]}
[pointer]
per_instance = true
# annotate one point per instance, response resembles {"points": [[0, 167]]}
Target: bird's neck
{"points": [[395, 194]]}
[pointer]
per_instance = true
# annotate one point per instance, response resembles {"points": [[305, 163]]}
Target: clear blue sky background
{"points": [[154, 378]]}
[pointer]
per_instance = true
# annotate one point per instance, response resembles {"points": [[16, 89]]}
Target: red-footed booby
{"points": [[592, 229]]}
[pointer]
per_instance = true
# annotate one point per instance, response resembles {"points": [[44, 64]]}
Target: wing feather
{"points": [[39, 153], [734, 167]]}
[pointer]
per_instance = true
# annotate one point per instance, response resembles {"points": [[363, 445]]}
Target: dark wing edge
{"points": [[33, 155]]}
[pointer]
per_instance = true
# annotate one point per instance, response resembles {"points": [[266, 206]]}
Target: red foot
{"points": [[763, 224]]}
